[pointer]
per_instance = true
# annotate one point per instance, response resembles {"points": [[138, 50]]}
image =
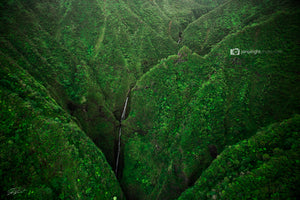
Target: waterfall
{"points": [[119, 149], [124, 110], [120, 133]]}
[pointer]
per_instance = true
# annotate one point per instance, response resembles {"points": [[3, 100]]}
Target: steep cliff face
{"points": [[202, 34], [188, 104], [82, 52], [67, 67], [44, 153], [89, 53], [263, 167]]}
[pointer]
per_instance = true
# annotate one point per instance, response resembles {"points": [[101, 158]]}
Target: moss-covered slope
{"points": [[231, 16], [44, 154], [67, 67], [74, 58], [89, 53], [265, 166], [188, 108]]}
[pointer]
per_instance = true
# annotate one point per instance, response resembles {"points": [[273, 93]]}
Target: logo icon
{"points": [[235, 51]]}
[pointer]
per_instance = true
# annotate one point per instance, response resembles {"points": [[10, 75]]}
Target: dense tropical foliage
{"points": [[205, 120]]}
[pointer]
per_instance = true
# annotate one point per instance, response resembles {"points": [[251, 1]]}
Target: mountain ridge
{"points": [[67, 67]]}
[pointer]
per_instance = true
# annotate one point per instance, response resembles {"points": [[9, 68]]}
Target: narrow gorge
{"points": [[120, 134], [149, 99]]}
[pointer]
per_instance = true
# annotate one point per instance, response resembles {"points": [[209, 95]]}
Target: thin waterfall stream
{"points": [[120, 133]]}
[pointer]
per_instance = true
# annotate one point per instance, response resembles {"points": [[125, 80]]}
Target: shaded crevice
{"points": [[118, 171], [118, 152], [72, 107]]}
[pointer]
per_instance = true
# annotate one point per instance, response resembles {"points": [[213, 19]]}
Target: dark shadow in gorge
{"points": [[72, 107], [121, 159], [118, 144]]}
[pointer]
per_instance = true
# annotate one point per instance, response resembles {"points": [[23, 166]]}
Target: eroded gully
{"points": [[120, 134]]}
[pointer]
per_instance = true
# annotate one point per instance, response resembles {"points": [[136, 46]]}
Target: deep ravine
{"points": [[120, 134]]}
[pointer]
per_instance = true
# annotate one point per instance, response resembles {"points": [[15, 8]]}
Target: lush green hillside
{"points": [[67, 67], [233, 15], [44, 154], [187, 105], [261, 167], [88, 53]]}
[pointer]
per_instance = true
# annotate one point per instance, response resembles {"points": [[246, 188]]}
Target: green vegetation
{"points": [[193, 102], [228, 18], [44, 154], [256, 168], [201, 123]]}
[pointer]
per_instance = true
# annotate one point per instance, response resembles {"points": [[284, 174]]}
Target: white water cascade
{"points": [[120, 133]]}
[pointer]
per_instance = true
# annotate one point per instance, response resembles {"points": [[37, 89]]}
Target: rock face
{"points": [[198, 113]]}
